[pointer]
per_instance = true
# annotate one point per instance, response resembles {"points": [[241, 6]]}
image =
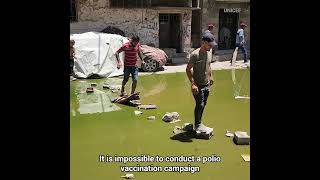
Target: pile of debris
{"points": [[131, 100]]}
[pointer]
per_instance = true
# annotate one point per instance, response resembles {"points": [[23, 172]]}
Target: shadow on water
{"points": [[94, 76], [184, 137]]}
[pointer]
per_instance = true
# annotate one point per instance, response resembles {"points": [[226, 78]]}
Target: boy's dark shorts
{"points": [[130, 70]]}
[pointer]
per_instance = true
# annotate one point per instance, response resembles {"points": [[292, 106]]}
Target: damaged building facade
{"points": [[175, 24], [164, 23]]}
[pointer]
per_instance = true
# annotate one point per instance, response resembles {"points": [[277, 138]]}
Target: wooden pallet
{"points": [[127, 99]]}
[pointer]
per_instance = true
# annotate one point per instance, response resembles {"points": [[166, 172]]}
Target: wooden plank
{"points": [[148, 106]]}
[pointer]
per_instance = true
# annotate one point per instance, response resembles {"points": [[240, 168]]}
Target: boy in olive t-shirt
{"points": [[200, 75]]}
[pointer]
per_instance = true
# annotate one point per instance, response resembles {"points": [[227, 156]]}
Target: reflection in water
{"points": [[239, 86], [113, 81], [73, 112], [97, 102], [157, 89]]}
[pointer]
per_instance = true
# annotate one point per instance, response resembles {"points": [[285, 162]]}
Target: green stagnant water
{"points": [[114, 129]]}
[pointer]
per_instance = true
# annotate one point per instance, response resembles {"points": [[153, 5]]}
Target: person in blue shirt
{"points": [[240, 41], [210, 31]]}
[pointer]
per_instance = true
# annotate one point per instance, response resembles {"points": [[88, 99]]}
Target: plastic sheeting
{"points": [[94, 53], [154, 53], [97, 102]]}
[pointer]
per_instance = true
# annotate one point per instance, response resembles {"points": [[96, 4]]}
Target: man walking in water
{"points": [[200, 75], [240, 41]]}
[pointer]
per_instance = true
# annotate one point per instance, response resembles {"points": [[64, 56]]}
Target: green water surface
{"points": [[121, 132]]}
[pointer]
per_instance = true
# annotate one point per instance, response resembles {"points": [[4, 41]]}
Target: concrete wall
{"points": [[95, 15], [186, 30], [172, 3], [210, 9]]}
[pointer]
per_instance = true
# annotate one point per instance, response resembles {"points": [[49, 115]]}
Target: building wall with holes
{"points": [[95, 15], [210, 14]]}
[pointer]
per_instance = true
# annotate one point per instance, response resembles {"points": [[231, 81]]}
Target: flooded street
{"points": [[99, 127]]}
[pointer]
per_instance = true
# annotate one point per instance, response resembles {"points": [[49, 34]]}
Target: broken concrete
{"points": [[204, 135], [229, 134], [246, 157], [168, 117], [175, 115], [137, 113], [134, 103], [90, 90], [241, 138], [128, 176], [148, 106], [174, 121], [152, 118], [177, 130]]}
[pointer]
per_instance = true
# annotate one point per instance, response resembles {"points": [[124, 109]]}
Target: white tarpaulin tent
{"points": [[94, 53]]}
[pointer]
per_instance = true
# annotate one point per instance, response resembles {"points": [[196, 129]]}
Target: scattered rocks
{"points": [[90, 90], [128, 176], [246, 157], [137, 113], [168, 117], [152, 118], [229, 134]]}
